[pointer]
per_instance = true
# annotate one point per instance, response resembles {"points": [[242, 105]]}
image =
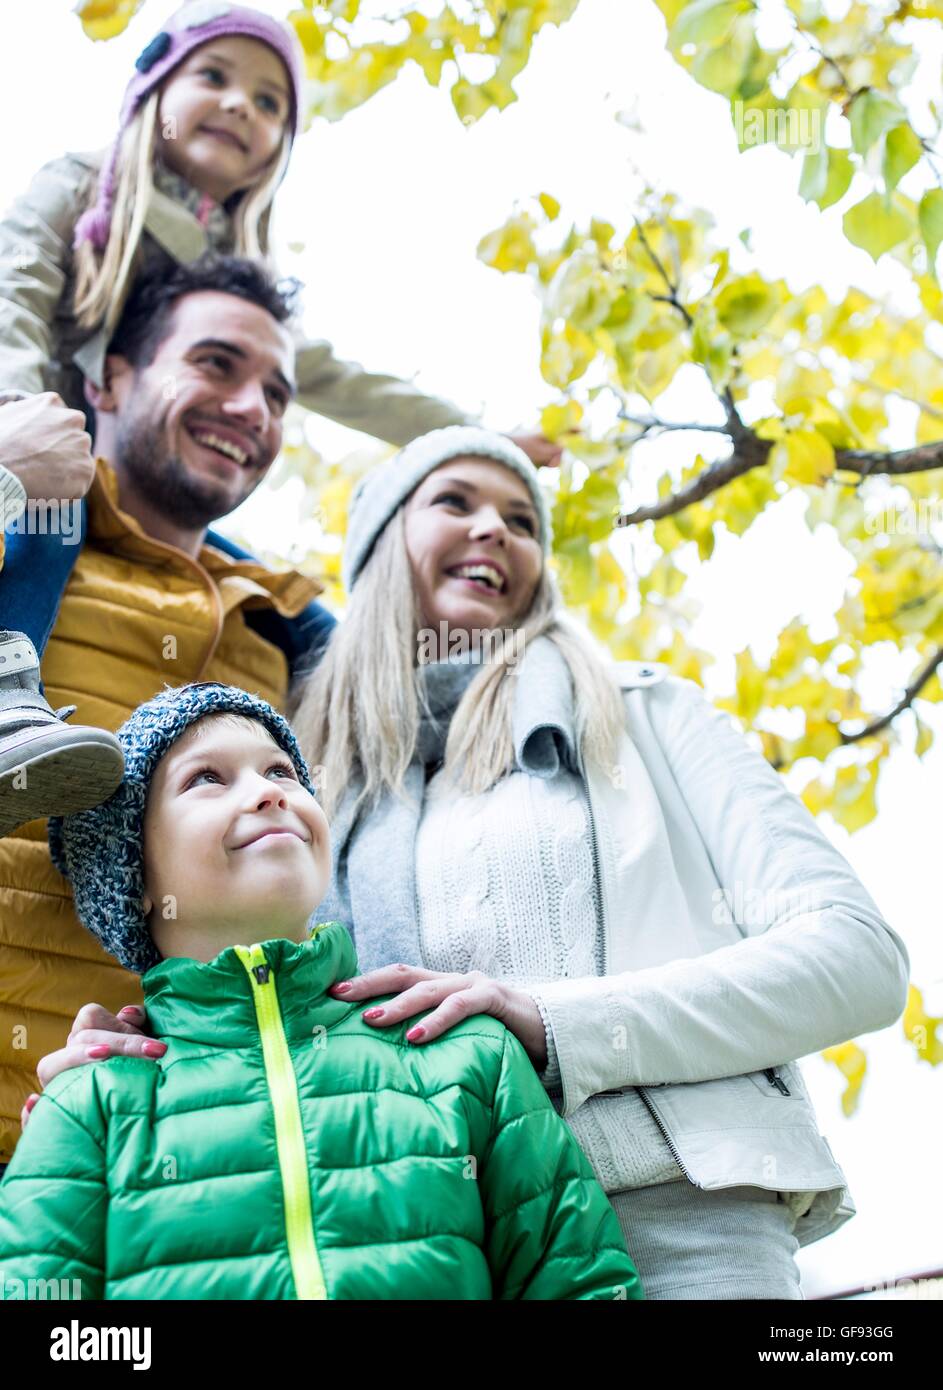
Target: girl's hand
{"points": [[47, 446], [97, 1034], [542, 452], [457, 996]]}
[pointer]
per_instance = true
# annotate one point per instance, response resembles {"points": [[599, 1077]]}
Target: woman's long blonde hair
{"points": [[104, 277], [360, 708]]}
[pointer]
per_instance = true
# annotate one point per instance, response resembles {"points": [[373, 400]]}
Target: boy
{"points": [[280, 1148]]}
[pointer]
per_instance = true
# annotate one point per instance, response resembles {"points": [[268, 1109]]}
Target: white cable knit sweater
{"points": [[505, 884]]}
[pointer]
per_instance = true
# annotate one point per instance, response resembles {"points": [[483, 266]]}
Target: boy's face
{"points": [[233, 843]]}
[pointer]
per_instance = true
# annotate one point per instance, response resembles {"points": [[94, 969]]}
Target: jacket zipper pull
{"points": [[261, 973], [777, 1081]]}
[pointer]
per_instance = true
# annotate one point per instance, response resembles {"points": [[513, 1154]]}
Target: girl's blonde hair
{"points": [[360, 709], [104, 277]]}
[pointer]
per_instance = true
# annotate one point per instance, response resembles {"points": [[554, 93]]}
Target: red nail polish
{"points": [[342, 988], [373, 1013], [415, 1033], [99, 1050], [30, 1102], [154, 1049]]}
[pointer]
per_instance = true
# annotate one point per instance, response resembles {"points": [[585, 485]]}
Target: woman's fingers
{"points": [[460, 1004], [389, 979], [93, 1045], [130, 1019], [451, 997], [27, 1109]]}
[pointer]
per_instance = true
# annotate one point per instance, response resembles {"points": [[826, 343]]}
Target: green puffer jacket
{"points": [[282, 1148]]}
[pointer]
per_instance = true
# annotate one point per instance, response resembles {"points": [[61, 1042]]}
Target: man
{"points": [[188, 423]]}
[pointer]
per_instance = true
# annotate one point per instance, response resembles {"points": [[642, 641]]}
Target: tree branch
{"points": [[906, 699], [652, 422], [672, 296], [920, 459], [751, 452]]}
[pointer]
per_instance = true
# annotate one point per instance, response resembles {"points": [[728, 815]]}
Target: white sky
{"points": [[390, 204]]}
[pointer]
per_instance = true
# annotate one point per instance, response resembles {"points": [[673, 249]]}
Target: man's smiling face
{"points": [[198, 428]]}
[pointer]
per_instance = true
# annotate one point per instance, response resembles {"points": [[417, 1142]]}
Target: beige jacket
{"points": [[43, 349]]}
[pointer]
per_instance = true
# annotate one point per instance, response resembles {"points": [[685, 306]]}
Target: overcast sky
{"points": [[388, 206]]}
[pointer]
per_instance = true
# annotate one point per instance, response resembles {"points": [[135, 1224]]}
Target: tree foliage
{"points": [[801, 388]]}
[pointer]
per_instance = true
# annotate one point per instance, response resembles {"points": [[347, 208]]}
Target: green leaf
{"points": [[720, 68], [814, 177], [746, 305], [840, 173], [930, 216], [871, 114], [876, 227], [704, 20], [902, 150]]}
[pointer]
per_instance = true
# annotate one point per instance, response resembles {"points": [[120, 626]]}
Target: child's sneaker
{"points": [[47, 768]]}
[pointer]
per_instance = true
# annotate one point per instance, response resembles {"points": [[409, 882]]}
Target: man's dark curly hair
{"points": [[145, 319]]}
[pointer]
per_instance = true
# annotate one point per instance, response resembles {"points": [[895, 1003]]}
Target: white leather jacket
{"points": [[736, 939]]}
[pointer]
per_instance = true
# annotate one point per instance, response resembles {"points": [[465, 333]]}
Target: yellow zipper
{"points": [[289, 1131]]}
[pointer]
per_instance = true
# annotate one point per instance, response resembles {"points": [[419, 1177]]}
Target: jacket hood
{"points": [[211, 1003]]}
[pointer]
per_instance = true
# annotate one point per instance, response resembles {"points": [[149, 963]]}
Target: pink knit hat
{"points": [[193, 24]]}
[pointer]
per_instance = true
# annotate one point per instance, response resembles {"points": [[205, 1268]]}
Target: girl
{"points": [[279, 1149], [204, 138]]}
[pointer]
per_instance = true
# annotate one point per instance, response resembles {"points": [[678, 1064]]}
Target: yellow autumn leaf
{"points": [[803, 456], [557, 420], [511, 247], [853, 804], [852, 1062], [105, 19], [333, 503], [924, 738], [920, 1029]]}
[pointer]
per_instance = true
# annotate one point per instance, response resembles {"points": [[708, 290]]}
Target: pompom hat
{"points": [[385, 488], [100, 851], [188, 28]]}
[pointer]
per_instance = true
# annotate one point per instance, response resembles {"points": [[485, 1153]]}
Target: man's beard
{"points": [[162, 478]]}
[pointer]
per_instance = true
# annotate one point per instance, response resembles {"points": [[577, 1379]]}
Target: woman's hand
{"points": [[97, 1034], [457, 996]]}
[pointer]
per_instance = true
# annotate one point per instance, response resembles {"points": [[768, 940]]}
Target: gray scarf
{"points": [[373, 888]]}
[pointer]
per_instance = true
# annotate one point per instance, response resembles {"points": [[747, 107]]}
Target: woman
{"points": [[531, 832]]}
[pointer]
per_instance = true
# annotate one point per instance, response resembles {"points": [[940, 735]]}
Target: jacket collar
{"points": [[286, 590], [212, 1003]]}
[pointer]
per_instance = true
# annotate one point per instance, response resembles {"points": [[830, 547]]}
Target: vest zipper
{"points": [[289, 1132], [776, 1080], [201, 571]]}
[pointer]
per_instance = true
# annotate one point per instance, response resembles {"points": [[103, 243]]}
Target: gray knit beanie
{"points": [[100, 851], [381, 491]]}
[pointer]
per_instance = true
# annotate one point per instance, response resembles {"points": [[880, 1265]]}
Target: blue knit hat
{"points": [[101, 851]]}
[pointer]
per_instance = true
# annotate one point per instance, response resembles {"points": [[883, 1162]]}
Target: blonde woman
{"points": [[592, 854], [578, 849]]}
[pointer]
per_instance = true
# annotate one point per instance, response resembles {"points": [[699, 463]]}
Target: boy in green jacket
{"points": [[280, 1147]]}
